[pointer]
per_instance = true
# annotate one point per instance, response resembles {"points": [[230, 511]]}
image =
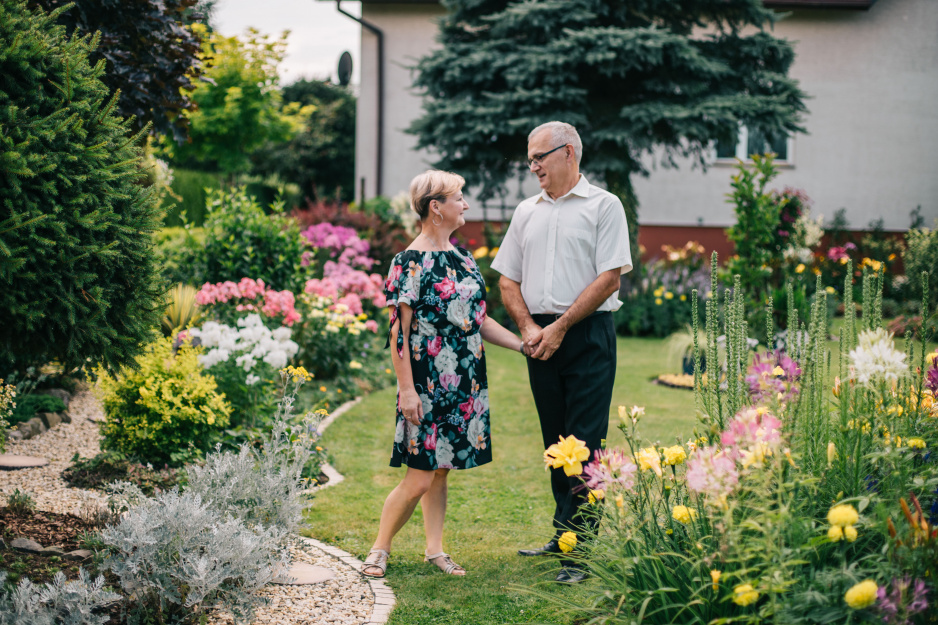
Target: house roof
{"points": [[772, 4]]}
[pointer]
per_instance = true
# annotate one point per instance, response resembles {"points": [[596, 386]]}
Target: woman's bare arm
{"points": [[411, 406], [496, 334]]}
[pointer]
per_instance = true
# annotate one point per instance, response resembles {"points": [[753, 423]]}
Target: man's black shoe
{"points": [[552, 547], [572, 575]]}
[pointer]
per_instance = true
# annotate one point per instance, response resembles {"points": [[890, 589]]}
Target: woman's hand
{"points": [[411, 406]]}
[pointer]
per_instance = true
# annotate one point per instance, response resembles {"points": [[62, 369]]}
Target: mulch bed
{"points": [[46, 528]]}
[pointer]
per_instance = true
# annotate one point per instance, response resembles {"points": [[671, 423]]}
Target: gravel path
{"points": [[344, 600]]}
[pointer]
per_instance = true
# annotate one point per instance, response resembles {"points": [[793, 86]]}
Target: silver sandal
{"points": [[447, 566], [380, 562]]}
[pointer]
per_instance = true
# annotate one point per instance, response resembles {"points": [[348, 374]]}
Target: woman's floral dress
{"points": [[447, 294]]}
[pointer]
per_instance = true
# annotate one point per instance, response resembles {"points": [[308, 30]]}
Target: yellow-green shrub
{"points": [[165, 411]]}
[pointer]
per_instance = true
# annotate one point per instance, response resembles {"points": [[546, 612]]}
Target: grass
{"points": [[494, 509]]}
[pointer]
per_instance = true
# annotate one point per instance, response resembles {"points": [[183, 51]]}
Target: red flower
{"points": [[446, 288], [430, 441], [467, 409], [480, 313], [434, 345]]}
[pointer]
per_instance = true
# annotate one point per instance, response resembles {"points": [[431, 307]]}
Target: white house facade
{"points": [[870, 68]]}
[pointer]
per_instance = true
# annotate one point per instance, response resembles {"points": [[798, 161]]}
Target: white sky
{"points": [[318, 33]]}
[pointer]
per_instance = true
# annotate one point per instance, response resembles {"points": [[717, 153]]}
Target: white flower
{"points": [[476, 433], [446, 361], [276, 359], [399, 432], [252, 379], [425, 327], [459, 313], [876, 359], [281, 334], [467, 288], [427, 405], [246, 362], [444, 453], [474, 342]]}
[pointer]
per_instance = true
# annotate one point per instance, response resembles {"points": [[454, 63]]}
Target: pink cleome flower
{"points": [[711, 472], [610, 467]]}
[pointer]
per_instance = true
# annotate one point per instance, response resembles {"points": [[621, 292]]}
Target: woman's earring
{"points": [[441, 220]]}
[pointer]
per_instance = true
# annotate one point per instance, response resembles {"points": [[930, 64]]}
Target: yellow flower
{"points": [[850, 533], [387, 371], [669, 295], [318, 448], [481, 252], [569, 453], [493, 252], [799, 268], [636, 411], [354, 365], [338, 390], [597, 495], [930, 358], [831, 453], [778, 371], [623, 413], [299, 374], [620, 501], [745, 594], [683, 514], [683, 297], [843, 515], [567, 542], [674, 455], [830, 290], [862, 595], [658, 301], [659, 291], [715, 576], [916, 443], [322, 389], [649, 458], [835, 533]]}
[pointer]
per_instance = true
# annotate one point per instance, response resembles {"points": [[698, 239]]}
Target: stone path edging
{"points": [[384, 596]]}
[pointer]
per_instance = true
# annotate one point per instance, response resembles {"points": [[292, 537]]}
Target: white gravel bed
{"points": [[58, 446], [346, 599]]}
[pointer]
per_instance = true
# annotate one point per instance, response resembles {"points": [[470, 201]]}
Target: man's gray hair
{"points": [[562, 133]]}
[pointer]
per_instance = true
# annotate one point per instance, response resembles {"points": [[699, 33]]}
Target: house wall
{"points": [[872, 142], [871, 147]]}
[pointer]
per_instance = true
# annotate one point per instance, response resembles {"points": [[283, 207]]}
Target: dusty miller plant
{"points": [[262, 486], [59, 602], [179, 556]]}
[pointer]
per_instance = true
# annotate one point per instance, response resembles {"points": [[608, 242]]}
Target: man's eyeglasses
{"points": [[538, 158]]}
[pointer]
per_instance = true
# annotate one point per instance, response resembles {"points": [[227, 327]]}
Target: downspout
{"points": [[380, 138]]}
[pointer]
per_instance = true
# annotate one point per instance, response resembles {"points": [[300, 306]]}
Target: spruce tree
{"points": [[78, 279], [638, 78]]}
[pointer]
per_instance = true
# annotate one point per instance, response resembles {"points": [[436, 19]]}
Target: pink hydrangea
{"points": [[711, 472]]}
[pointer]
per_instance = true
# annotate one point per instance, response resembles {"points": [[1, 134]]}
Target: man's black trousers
{"points": [[573, 392]]}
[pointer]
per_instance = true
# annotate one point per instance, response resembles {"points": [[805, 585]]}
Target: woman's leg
{"points": [[400, 505], [433, 505]]}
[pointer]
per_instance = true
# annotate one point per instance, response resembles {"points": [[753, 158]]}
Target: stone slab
{"points": [[66, 418], [50, 419], [79, 554], [303, 574], [11, 462], [52, 551], [27, 545]]}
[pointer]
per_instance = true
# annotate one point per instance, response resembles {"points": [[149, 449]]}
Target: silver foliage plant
{"points": [[59, 602], [262, 486], [177, 551]]}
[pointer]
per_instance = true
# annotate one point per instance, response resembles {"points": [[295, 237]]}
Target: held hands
{"points": [[547, 342], [411, 406]]}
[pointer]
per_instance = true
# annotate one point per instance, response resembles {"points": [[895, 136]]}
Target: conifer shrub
{"points": [[78, 280], [164, 411]]}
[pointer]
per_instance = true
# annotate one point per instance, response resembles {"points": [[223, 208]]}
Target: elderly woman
{"points": [[436, 297]]}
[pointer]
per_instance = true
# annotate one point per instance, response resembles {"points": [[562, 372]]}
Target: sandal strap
{"points": [[450, 565], [380, 562]]}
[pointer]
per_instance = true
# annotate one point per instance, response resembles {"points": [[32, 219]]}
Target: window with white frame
{"points": [[755, 142]]}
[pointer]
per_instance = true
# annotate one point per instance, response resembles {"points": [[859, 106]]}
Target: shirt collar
{"points": [[581, 189]]}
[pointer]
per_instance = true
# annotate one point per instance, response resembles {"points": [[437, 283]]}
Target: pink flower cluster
{"points": [[348, 286], [342, 242], [610, 467], [750, 427], [711, 472], [765, 384], [246, 293], [840, 253]]}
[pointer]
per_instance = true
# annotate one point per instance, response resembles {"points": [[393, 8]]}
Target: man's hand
{"points": [[550, 339], [411, 406]]}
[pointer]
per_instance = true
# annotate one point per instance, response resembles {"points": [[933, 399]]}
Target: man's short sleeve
{"points": [[612, 240], [508, 260]]}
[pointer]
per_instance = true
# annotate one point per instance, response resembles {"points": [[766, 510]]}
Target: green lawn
{"points": [[494, 509]]}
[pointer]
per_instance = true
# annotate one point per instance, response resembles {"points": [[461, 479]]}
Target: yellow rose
{"points": [[683, 514], [843, 515], [862, 595], [674, 455], [850, 533], [567, 542], [745, 594], [835, 533]]}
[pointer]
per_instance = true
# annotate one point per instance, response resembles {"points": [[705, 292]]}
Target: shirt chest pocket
{"points": [[576, 244]]}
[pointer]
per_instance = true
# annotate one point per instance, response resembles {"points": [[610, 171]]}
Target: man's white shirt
{"points": [[556, 248]]}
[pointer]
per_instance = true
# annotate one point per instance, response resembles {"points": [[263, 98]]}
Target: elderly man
{"points": [[560, 263]]}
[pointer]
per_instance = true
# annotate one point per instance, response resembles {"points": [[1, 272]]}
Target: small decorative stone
{"points": [[27, 545], [55, 550], [14, 435], [79, 554], [65, 417], [303, 573], [50, 419], [36, 426], [10, 462]]}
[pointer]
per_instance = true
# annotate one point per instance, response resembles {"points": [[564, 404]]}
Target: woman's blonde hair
{"points": [[433, 184]]}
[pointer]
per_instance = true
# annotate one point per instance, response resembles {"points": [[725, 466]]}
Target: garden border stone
{"points": [[43, 421]]}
